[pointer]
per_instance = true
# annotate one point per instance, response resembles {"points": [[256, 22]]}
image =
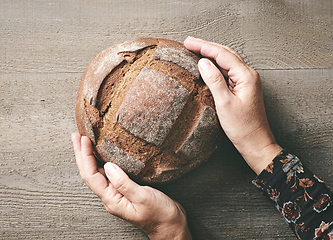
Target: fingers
{"points": [[119, 193], [225, 57], [76, 139], [87, 165], [95, 178], [214, 79], [142, 206], [123, 184], [87, 157]]}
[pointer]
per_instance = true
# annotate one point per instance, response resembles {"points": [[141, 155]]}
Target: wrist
{"points": [[260, 159], [174, 232], [259, 149]]}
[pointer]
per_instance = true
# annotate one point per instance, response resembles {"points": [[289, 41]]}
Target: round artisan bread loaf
{"points": [[145, 108]]}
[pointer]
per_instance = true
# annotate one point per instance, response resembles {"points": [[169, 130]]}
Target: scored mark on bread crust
{"points": [[197, 148], [141, 150], [112, 153], [127, 71], [152, 105], [179, 56], [117, 83]]}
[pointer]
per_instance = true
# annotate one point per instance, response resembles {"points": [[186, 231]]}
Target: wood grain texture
{"points": [[63, 36], [45, 46]]}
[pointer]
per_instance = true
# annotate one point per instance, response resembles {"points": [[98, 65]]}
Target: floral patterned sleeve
{"points": [[303, 200]]}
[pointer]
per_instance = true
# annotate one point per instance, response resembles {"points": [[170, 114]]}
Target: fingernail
{"points": [[109, 168], [74, 135], [82, 139], [190, 38], [193, 38], [204, 63]]}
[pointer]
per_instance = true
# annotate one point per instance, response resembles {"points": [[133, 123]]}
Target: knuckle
{"points": [[120, 183], [214, 78], [253, 76], [254, 73]]}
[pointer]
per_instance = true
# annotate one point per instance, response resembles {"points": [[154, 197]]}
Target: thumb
{"points": [[121, 182], [214, 79]]}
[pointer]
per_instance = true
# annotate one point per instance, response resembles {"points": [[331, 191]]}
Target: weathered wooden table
{"points": [[44, 48]]}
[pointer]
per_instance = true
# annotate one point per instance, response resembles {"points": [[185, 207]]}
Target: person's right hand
{"points": [[239, 104], [147, 208]]}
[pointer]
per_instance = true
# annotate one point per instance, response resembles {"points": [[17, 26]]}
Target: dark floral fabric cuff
{"points": [[303, 200]]}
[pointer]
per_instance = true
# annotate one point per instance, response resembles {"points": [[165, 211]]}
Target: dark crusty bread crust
{"points": [[144, 107]]}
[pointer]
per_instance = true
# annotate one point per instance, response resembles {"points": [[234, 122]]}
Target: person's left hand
{"points": [[147, 208]]}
